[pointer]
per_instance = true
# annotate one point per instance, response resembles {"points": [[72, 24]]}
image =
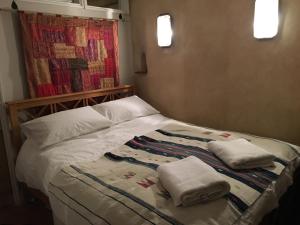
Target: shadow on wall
{"points": [[125, 51], [12, 70], [13, 84]]}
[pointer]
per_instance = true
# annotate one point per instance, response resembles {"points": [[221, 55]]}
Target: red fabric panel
{"points": [[65, 55], [45, 90]]}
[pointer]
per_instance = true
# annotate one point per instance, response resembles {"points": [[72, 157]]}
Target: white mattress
{"points": [[37, 167]]}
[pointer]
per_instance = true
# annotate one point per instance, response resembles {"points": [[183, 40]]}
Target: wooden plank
{"points": [[29, 103]]}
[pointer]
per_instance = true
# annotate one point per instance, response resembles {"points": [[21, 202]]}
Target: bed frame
{"points": [[28, 109]]}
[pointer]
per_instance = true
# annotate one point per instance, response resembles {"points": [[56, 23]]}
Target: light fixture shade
{"points": [[266, 18], [164, 30]]}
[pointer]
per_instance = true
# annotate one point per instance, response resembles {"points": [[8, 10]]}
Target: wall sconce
{"points": [[164, 30], [266, 18]]}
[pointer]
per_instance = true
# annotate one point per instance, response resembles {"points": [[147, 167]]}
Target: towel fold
{"points": [[241, 154], [190, 181]]}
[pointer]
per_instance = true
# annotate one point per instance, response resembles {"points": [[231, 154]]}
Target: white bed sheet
{"points": [[37, 167]]}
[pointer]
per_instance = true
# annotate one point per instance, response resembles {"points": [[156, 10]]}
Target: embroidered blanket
{"points": [[122, 187]]}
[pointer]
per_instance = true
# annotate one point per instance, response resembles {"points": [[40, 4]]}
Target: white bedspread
{"points": [[36, 168]]}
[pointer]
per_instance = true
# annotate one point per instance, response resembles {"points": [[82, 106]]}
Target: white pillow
{"points": [[54, 128], [125, 109]]}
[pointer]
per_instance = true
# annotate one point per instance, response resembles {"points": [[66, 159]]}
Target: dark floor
{"points": [[30, 215]]}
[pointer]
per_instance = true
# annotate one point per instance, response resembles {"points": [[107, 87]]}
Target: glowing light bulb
{"points": [[164, 31], [266, 18]]}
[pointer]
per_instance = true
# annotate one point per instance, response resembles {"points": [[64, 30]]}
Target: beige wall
{"points": [[217, 74]]}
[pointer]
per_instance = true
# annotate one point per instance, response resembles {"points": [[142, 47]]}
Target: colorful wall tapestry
{"points": [[67, 54]]}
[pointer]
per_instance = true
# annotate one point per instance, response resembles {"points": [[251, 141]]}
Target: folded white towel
{"points": [[190, 181], [241, 154]]}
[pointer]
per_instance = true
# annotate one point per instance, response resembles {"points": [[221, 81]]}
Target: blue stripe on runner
{"points": [[168, 143], [129, 160], [281, 161], [269, 175], [130, 196], [132, 160], [242, 206], [184, 136]]}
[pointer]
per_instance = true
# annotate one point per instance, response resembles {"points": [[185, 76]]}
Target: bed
{"points": [[84, 187]]}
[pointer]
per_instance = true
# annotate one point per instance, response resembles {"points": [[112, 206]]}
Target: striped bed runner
{"points": [[123, 187]]}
